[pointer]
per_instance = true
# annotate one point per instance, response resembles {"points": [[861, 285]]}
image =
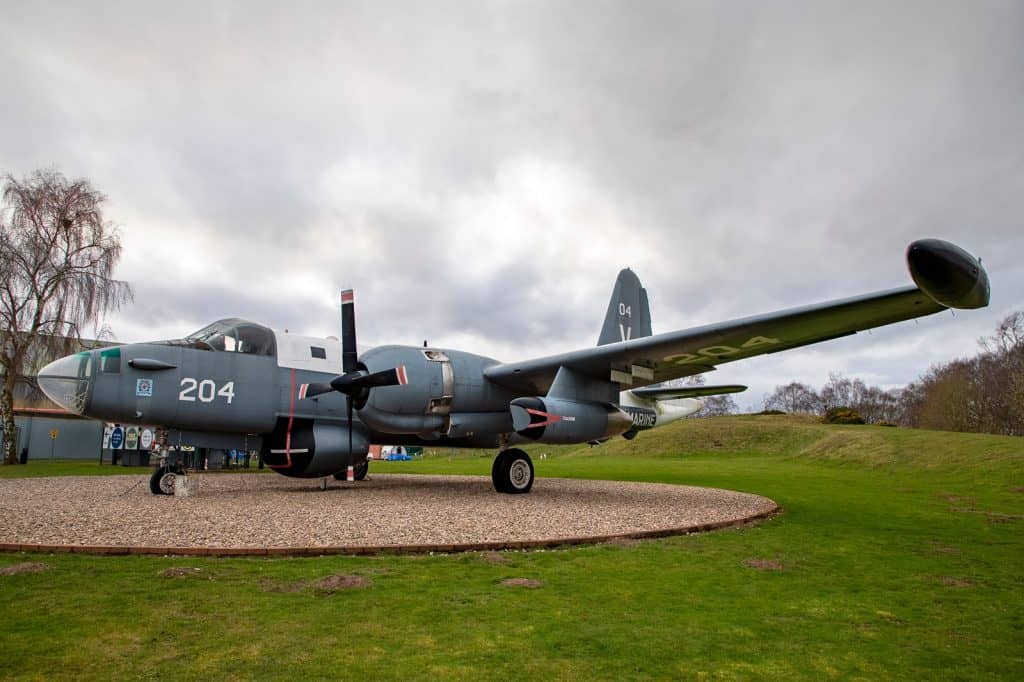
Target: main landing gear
{"points": [[512, 472]]}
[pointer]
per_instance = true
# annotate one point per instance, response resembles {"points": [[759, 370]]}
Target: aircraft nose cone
{"points": [[66, 381]]}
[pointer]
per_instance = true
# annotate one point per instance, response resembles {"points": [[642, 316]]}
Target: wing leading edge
{"points": [[946, 275]]}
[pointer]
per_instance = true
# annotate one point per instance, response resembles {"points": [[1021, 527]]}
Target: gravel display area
{"points": [[263, 513]]}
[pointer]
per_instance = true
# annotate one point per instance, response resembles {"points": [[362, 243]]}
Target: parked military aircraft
{"points": [[314, 405]]}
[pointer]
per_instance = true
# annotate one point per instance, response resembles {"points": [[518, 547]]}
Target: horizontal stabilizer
{"points": [[659, 393]]}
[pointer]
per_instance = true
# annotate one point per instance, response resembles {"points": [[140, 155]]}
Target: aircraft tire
{"points": [[512, 472], [162, 480]]}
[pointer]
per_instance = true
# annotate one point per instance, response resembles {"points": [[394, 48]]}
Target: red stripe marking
{"points": [[348, 296], [551, 418], [403, 378], [288, 434]]}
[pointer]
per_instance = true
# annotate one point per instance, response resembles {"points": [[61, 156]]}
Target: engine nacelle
{"points": [[311, 449], [555, 420], [441, 385]]}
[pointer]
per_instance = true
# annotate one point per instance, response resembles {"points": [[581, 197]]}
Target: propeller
{"points": [[355, 382]]}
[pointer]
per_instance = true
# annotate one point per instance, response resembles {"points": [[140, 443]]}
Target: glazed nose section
{"points": [[66, 381]]}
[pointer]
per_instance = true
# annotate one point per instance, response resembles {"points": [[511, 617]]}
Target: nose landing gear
{"points": [[162, 480]]}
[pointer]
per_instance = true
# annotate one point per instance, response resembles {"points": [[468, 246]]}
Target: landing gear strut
{"points": [[358, 472], [512, 472]]}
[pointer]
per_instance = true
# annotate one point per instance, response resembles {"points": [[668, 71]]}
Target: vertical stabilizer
{"points": [[629, 315]]}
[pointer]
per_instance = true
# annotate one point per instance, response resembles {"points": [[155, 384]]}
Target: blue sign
{"points": [[117, 438]]}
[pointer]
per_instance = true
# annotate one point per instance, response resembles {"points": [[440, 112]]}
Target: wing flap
{"points": [[658, 393]]}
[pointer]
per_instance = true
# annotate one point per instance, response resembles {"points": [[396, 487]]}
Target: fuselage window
{"points": [[318, 352]]}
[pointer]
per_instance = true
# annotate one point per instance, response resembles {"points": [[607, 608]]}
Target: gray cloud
{"points": [[480, 172]]}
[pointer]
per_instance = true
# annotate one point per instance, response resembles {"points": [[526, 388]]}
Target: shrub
{"points": [[842, 415], [771, 412]]}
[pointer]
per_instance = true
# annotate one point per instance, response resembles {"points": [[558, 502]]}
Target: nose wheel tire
{"points": [[162, 480], [512, 472]]}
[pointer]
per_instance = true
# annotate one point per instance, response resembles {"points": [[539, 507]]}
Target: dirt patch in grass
{"points": [[889, 617], [26, 567], [336, 583], [990, 516], [268, 585], [382, 570], [179, 571], [764, 564], [493, 558], [522, 582], [950, 497], [624, 542], [954, 582], [327, 585]]}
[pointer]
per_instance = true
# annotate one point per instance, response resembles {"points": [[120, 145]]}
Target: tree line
{"points": [[982, 394]]}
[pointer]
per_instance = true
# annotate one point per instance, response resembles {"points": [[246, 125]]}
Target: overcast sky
{"points": [[480, 171]]}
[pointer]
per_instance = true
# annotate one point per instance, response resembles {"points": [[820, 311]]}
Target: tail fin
{"points": [[629, 315]]}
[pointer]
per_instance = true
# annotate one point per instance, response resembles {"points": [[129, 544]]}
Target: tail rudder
{"points": [[629, 314]]}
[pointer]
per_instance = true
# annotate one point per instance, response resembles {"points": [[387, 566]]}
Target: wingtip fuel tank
{"points": [[948, 274]]}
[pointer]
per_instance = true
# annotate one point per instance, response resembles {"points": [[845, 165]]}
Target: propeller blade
{"points": [[349, 356], [313, 390], [395, 376], [353, 382]]}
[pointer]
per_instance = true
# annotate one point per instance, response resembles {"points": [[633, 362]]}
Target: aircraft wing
{"points": [[946, 275]]}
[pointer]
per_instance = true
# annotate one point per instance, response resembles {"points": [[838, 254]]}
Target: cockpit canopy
{"points": [[232, 335]]}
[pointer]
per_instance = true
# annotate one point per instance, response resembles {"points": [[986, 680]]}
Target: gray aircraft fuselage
{"points": [[202, 391]]}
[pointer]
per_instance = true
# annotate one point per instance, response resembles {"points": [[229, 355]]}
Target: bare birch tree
{"points": [[57, 258]]}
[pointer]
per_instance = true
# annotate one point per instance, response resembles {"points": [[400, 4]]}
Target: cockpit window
{"points": [[231, 336], [110, 360]]}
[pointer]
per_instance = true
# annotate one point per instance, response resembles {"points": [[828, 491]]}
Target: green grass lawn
{"points": [[900, 554], [68, 467], [91, 467]]}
